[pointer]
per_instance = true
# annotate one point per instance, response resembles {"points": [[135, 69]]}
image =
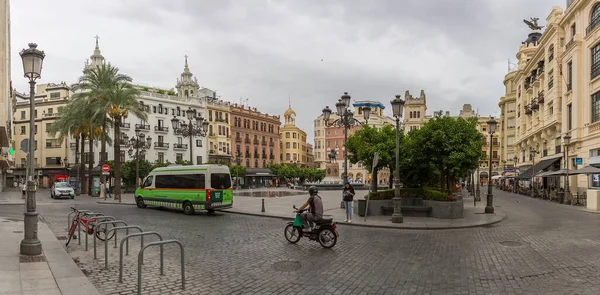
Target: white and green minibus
{"points": [[191, 188]]}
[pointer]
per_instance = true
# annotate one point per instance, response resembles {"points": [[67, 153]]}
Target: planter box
{"points": [[375, 207], [445, 210]]}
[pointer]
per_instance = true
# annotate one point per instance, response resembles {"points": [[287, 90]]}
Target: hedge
{"points": [[425, 193]]}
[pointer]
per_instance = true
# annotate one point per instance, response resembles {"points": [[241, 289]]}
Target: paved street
{"points": [[541, 248]]}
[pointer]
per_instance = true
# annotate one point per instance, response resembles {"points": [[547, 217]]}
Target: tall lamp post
{"points": [[532, 153], [397, 109], [346, 120], [32, 67], [238, 161], [515, 159], [489, 208], [567, 139], [138, 144], [191, 130]]}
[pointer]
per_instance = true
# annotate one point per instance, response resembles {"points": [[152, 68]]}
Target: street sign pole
{"points": [[375, 160]]}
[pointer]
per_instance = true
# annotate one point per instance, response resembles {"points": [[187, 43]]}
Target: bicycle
{"points": [[89, 226]]}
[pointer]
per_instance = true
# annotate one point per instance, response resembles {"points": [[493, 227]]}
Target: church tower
{"points": [[187, 84], [415, 109], [97, 58]]}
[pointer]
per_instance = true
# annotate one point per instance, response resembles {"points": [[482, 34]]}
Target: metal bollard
{"points": [[161, 243], [142, 234], [106, 223], [110, 218], [263, 206]]}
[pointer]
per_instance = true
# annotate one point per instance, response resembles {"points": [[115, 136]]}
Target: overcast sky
{"points": [[268, 50]]}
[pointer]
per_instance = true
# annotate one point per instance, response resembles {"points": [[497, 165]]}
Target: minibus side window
{"points": [[220, 180], [147, 181]]}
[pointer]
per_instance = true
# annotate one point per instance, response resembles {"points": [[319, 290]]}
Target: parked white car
{"points": [[62, 189]]}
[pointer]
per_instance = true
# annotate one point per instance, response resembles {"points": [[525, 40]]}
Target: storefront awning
{"points": [[527, 174]]}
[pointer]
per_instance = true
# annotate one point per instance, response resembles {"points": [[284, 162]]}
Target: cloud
{"points": [[268, 50]]}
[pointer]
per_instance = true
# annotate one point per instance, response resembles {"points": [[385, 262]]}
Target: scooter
{"points": [[324, 231]]}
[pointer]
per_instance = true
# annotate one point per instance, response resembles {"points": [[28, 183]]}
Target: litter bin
{"points": [[362, 207]]}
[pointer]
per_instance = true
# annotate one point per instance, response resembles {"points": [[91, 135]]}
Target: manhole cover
{"points": [[37, 258], [287, 265], [17, 231], [511, 243]]}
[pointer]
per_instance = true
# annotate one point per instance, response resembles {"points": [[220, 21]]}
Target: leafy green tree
{"points": [[363, 145], [450, 146], [183, 162]]}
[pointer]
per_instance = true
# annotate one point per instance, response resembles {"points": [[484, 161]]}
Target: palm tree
{"points": [[122, 99], [95, 86]]}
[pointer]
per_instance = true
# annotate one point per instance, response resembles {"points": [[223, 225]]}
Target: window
{"points": [[220, 180], [569, 75], [179, 140], [551, 109], [510, 123], [287, 157], [160, 108], [161, 158], [595, 19], [147, 181], [35, 128], [287, 145], [55, 95], [154, 109], [36, 113], [22, 115], [551, 53], [178, 157], [287, 135], [510, 140], [198, 142], [295, 145], [550, 79], [23, 130], [573, 30], [595, 107], [569, 116], [48, 126], [50, 111], [122, 157], [181, 181], [595, 61], [198, 160], [161, 124]]}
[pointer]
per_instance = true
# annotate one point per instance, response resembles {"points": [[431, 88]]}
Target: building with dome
{"points": [[293, 140]]}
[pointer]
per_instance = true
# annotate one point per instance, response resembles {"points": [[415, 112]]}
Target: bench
{"points": [[410, 211]]}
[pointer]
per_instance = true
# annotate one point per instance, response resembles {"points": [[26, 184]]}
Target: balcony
{"points": [[264, 156], [161, 145], [557, 149], [569, 86], [272, 157], [256, 155], [535, 106], [247, 155], [495, 143], [247, 141], [122, 141], [51, 115], [528, 111], [161, 129], [540, 98], [256, 142], [73, 145], [125, 125], [593, 127], [570, 44], [271, 144], [593, 24], [545, 153], [264, 142], [180, 146], [238, 139], [142, 126]]}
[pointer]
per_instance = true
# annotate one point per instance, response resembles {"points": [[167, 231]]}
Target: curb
{"points": [[111, 203], [502, 218]]}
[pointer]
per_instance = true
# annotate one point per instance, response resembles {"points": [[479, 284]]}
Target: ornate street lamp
{"points": [[346, 120], [515, 160], [532, 153], [397, 109], [567, 139], [489, 208], [238, 161], [32, 67], [191, 130], [138, 144]]}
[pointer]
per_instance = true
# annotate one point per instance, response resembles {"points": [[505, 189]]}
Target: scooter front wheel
{"points": [[292, 234]]}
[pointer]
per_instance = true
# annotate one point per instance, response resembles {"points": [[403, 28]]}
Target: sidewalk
{"points": [[53, 272], [281, 207]]}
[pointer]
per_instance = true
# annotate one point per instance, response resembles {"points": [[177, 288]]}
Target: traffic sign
{"points": [[578, 161], [105, 168]]}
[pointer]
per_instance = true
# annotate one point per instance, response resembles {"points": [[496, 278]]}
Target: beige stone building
{"points": [[6, 159], [219, 135], [310, 157], [507, 125], [558, 94], [415, 111], [293, 140], [51, 152]]}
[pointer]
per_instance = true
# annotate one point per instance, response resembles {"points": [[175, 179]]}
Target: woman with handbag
{"points": [[348, 197]]}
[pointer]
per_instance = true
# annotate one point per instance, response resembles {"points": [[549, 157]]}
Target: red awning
{"points": [[60, 177]]}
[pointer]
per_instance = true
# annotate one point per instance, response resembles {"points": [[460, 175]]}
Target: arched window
{"points": [[248, 163], [419, 114], [410, 114], [186, 93], [594, 18]]}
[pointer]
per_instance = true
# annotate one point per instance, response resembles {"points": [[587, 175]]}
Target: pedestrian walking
{"points": [[102, 195], [24, 189], [16, 186], [348, 197], [107, 190]]}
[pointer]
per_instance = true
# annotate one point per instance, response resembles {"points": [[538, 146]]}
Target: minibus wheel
{"points": [[140, 203], [188, 209]]}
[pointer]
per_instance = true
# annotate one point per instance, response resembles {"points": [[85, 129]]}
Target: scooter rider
{"points": [[315, 212]]}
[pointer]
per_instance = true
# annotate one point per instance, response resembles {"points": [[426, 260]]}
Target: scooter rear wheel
{"points": [[327, 238], [292, 234]]}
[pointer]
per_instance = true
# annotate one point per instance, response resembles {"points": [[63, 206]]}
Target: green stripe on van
{"points": [[183, 170]]}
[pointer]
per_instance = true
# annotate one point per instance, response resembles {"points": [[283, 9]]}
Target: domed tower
{"points": [[289, 117], [97, 58], [187, 85]]}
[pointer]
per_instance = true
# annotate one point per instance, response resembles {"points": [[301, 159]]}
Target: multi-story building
{"points": [[558, 94], [293, 140], [482, 126], [334, 139], [415, 109], [219, 137], [6, 159], [310, 157], [507, 125], [51, 152], [255, 135], [162, 105]]}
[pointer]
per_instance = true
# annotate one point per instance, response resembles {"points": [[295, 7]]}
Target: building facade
{"points": [[310, 157], [256, 136], [319, 147], [51, 152], [507, 125], [219, 137], [6, 104], [293, 141], [162, 105], [558, 94], [415, 111]]}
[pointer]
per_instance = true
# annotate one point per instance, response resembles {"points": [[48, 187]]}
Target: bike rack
{"points": [[85, 213], [142, 234], [161, 243], [105, 223], [115, 229], [91, 215]]}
